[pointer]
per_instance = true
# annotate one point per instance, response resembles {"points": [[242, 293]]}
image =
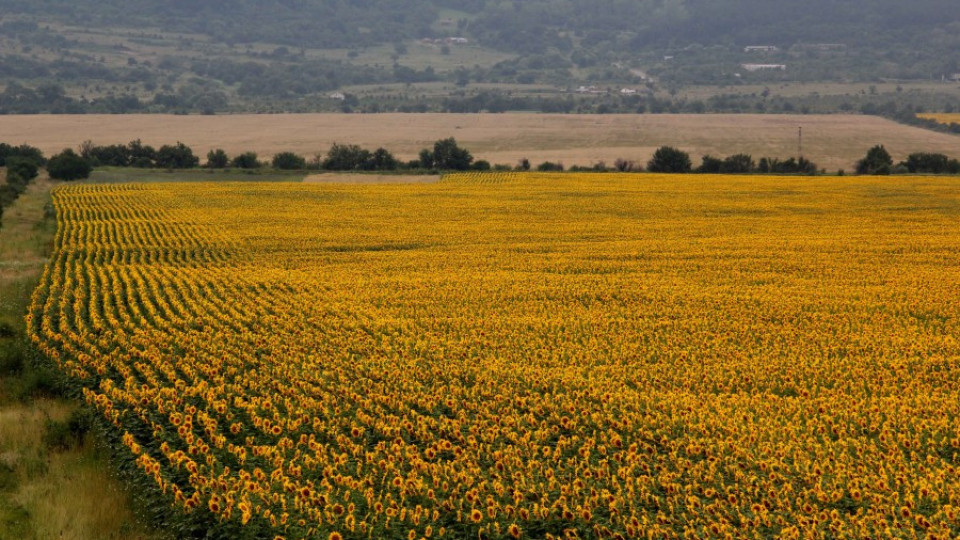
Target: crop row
{"points": [[524, 355]]}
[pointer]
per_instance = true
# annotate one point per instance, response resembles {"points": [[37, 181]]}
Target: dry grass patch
{"points": [[45, 492]]}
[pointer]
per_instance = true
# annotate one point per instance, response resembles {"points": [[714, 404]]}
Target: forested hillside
{"points": [[522, 27], [217, 55]]}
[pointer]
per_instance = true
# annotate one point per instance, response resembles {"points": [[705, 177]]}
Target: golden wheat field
{"points": [[942, 118], [524, 355]]}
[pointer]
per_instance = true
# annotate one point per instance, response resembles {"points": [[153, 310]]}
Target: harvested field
{"points": [[832, 141]]}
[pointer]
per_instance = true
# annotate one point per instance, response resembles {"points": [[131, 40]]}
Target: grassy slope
{"points": [[45, 494]]}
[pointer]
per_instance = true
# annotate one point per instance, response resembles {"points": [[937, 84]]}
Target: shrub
{"points": [[923, 162], [447, 155], [11, 357], [289, 161], [549, 166], [115, 155], [347, 157], [69, 433], [620, 165], [877, 161], [217, 159], [738, 164], [23, 151], [787, 166], [178, 156], [670, 160], [246, 160], [21, 169], [710, 165], [383, 160], [67, 165]]}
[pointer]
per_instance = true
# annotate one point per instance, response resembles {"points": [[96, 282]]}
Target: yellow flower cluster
{"points": [[525, 355], [941, 118]]}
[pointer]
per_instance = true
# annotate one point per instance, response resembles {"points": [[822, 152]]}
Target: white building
{"points": [[764, 67], [761, 48]]}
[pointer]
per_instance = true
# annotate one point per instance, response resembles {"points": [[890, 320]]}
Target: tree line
{"points": [[445, 155], [878, 161]]}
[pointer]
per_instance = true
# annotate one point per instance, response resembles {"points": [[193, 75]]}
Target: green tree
{"points": [[22, 168], [23, 151], [141, 155], [289, 161], [217, 159], [246, 160], [67, 165], [738, 164], [383, 160], [347, 157], [426, 159], [710, 165], [877, 161], [178, 156], [447, 155], [922, 162], [670, 160], [549, 166]]}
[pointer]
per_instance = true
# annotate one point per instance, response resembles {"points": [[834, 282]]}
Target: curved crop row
{"points": [[525, 355]]}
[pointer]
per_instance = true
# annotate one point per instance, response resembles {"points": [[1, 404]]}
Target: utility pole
{"points": [[800, 143]]}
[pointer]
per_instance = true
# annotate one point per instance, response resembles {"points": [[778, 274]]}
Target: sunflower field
{"points": [[511, 355]]}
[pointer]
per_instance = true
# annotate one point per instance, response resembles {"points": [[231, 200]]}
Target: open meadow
{"points": [[832, 141], [522, 355]]}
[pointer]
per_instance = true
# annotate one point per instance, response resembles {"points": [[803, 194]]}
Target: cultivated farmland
{"points": [[512, 355], [832, 141], [942, 118]]}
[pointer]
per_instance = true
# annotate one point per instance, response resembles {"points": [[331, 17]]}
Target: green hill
{"points": [[264, 55]]}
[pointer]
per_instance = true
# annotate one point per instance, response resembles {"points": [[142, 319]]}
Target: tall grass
{"points": [[56, 480]]}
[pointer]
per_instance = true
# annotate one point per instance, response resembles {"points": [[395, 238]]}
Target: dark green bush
{"points": [[69, 433], [67, 165], [289, 161], [246, 160]]}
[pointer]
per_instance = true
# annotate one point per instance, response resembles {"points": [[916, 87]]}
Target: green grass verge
{"points": [[113, 175], [56, 478]]}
